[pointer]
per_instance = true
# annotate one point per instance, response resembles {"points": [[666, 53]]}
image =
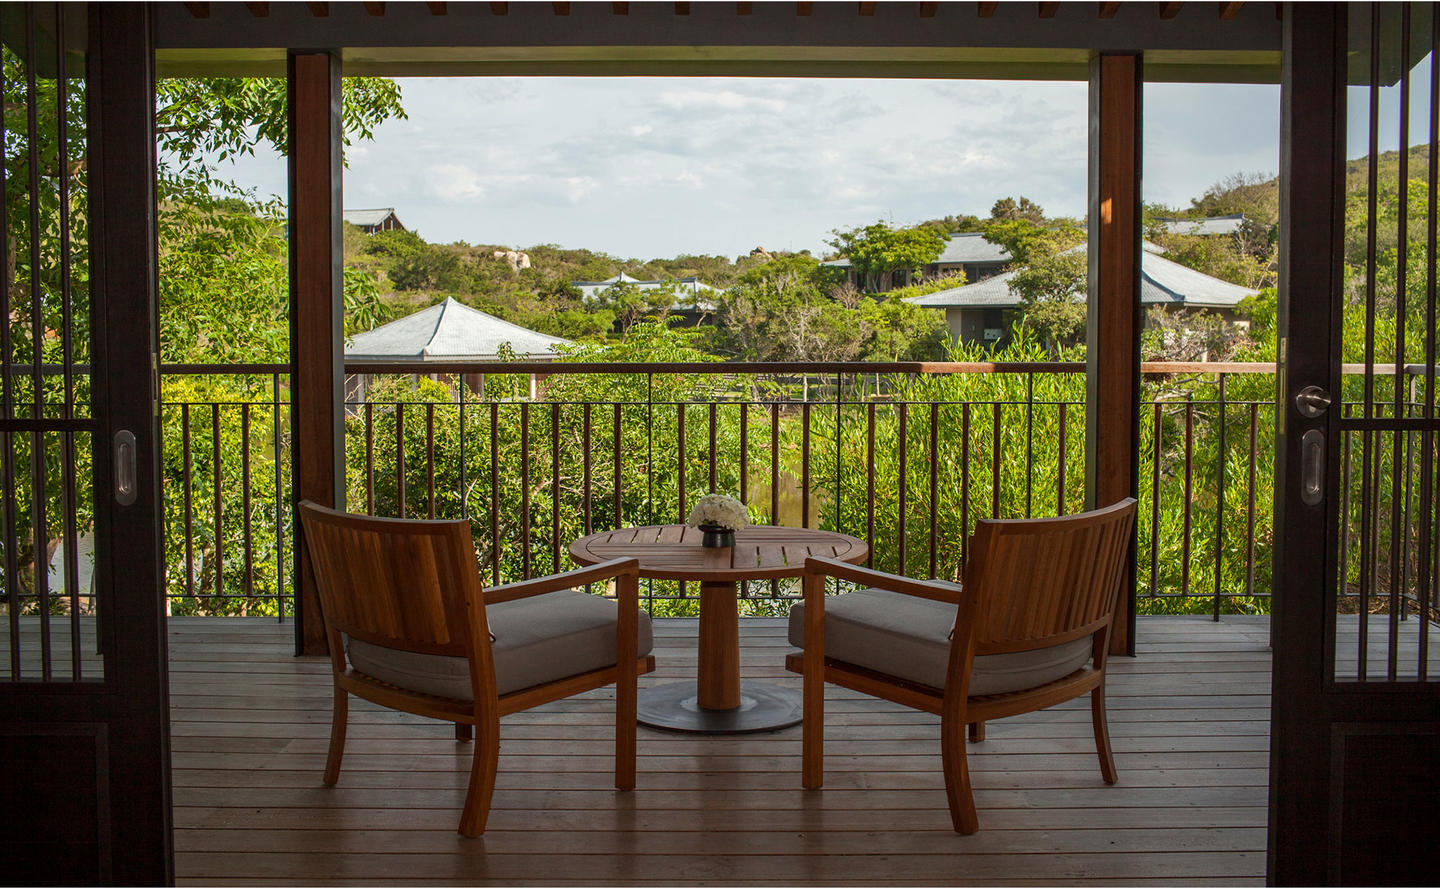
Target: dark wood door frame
{"points": [[1114, 319], [317, 306], [87, 761]]}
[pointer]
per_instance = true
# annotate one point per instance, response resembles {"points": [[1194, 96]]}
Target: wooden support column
{"points": [[1112, 416], [317, 371]]}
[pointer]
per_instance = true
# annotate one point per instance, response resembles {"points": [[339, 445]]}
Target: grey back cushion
{"points": [[537, 640], [909, 637]]}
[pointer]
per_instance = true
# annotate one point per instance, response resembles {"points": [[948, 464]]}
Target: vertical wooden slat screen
{"points": [[46, 427], [1385, 600]]}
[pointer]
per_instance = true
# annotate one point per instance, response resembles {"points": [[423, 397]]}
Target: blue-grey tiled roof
{"points": [[450, 331], [367, 217], [1162, 282], [967, 248], [1211, 225]]}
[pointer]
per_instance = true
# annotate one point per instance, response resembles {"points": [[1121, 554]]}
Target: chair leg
{"points": [[812, 729], [462, 731], [625, 714], [977, 732], [483, 765], [957, 778], [1102, 735], [339, 715]]}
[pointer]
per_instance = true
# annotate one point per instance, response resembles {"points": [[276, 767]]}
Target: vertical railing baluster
{"points": [[495, 493], [189, 488], [1060, 468], [712, 447], [525, 489], [430, 459], [555, 487], [1220, 502], [995, 451], [245, 501], [400, 459], [805, 465], [870, 483], [964, 485], [219, 507], [616, 469], [585, 446], [464, 491], [1029, 439], [369, 458], [279, 505], [1186, 507], [902, 447], [934, 483], [1250, 506], [1156, 433], [680, 465]]}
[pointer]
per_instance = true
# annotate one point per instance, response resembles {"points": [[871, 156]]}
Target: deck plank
{"points": [[1189, 717]]}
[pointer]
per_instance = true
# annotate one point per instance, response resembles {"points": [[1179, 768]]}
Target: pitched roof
{"points": [[689, 285], [450, 331], [1162, 282], [969, 248], [367, 217], [1228, 224]]}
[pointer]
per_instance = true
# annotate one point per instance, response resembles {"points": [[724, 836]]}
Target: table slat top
{"points": [[761, 552]]}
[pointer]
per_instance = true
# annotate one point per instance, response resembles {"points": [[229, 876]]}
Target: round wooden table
{"points": [[718, 702]]}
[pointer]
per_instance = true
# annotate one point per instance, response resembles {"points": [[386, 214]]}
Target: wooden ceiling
{"points": [[1237, 42]]}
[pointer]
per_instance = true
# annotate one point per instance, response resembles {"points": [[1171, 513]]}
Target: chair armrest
{"points": [[565, 580], [824, 567]]}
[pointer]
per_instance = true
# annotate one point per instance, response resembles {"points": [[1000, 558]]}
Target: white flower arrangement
{"points": [[719, 511]]}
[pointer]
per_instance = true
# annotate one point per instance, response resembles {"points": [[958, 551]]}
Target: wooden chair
{"points": [[1028, 629], [410, 628]]}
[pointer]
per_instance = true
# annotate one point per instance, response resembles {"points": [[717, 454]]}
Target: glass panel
{"points": [[46, 458], [1385, 603]]}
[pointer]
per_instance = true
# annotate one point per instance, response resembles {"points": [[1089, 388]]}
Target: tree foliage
{"points": [[876, 252]]}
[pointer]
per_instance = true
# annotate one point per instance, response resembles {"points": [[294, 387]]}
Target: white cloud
{"points": [[650, 167], [453, 182], [723, 99]]}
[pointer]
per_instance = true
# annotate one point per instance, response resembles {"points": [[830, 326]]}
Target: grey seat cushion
{"points": [[537, 640], [909, 637]]}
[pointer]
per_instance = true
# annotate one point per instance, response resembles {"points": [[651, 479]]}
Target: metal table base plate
{"points": [[763, 708]]}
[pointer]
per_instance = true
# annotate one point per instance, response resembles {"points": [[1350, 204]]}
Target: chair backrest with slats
{"points": [[1033, 583], [401, 583]]}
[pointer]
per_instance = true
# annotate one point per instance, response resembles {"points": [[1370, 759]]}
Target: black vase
{"points": [[715, 537]]}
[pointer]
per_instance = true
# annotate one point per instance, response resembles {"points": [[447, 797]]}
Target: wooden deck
{"points": [[1189, 718]]}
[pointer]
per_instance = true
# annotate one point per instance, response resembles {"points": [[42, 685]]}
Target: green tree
{"points": [[877, 252]]}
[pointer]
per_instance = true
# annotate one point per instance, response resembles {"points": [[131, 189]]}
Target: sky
{"points": [[656, 167]]}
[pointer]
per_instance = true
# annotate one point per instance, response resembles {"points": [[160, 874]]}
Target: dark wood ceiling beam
{"points": [[438, 8], [867, 8], [804, 8], [985, 10], [375, 7], [560, 8], [927, 10], [319, 10], [682, 8], [199, 10], [744, 8], [1047, 10], [1169, 10], [259, 10], [499, 8], [1108, 10], [619, 8], [1229, 10]]}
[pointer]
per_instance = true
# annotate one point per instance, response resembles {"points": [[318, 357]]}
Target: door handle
{"points": [[125, 483], [1312, 467]]}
